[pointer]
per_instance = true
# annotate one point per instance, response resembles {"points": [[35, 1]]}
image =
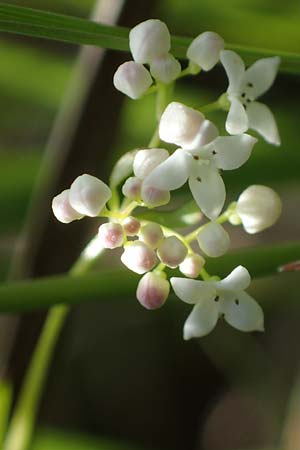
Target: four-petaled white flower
{"points": [[213, 299], [201, 168], [245, 86]]}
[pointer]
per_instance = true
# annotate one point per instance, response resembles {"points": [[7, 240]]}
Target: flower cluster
{"points": [[143, 179]]}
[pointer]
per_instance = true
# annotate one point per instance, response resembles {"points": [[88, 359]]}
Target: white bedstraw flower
{"points": [[259, 207], [213, 240], [62, 209], [245, 86], [111, 235], [213, 299], [132, 79], [88, 195], [131, 226], [205, 50], [165, 69], [185, 127], [132, 188], [152, 291], [171, 251], [192, 265], [149, 40], [138, 257], [200, 168], [152, 234]]}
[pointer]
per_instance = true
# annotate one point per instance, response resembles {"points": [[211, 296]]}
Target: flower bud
{"points": [[88, 195], [259, 207], [165, 69], [132, 188], [149, 40], [131, 226], [180, 124], [152, 234], [153, 197], [213, 240], [172, 251], [146, 160], [111, 235], [205, 50], [62, 209], [132, 79], [138, 257], [192, 265], [152, 291]]}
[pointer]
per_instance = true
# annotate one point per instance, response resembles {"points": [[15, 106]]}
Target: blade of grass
{"points": [[41, 24]]}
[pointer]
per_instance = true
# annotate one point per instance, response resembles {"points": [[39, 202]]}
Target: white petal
{"points": [[88, 195], [148, 40], [202, 319], [172, 173], [205, 50], [244, 313], [238, 280], [146, 160], [237, 120], [262, 120], [208, 190], [260, 76], [231, 152], [206, 134], [165, 69], [132, 79], [235, 69], [213, 240], [192, 291]]}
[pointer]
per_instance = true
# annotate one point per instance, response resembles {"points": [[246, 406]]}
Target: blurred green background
{"points": [[34, 77]]}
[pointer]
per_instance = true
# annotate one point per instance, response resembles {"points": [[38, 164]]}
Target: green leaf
{"points": [[41, 24], [5, 404], [45, 292]]}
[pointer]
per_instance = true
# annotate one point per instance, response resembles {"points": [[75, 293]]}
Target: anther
{"points": [[250, 84], [198, 179], [196, 157], [217, 298]]}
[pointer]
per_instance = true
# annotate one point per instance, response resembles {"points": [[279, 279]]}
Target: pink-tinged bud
{"points": [[153, 197], [132, 79], [148, 40], [146, 160], [62, 209], [152, 234], [131, 226], [132, 188], [88, 195], [152, 291], [213, 240], [205, 50], [138, 257], [172, 251], [192, 265], [111, 235], [165, 69]]}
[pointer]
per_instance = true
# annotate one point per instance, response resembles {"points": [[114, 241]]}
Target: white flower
{"points": [[200, 167], [131, 226], [88, 195], [165, 68], [245, 86], [138, 257], [213, 240], [205, 50], [149, 40], [62, 209], [171, 251], [258, 207], [152, 234], [213, 299], [111, 235], [152, 291], [132, 79], [192, 265]]}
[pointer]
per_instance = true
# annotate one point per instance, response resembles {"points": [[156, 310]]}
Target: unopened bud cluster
{"points": [[145, 178]]}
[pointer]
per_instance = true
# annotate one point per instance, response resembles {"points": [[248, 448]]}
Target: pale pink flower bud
{"points": [[149, 40], [111, 235], [259, 207], [165, 69], [205, 50], [213, 240], [62, 209], [146, 160], [192, 265], [152, 234], [132, 188], [153, 197], [131, 226], [88, 195], [138, 257], [132, 79], [172, 251], [152, 291]]}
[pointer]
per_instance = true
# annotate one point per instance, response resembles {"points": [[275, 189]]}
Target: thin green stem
{"points": [[210, 107]]}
